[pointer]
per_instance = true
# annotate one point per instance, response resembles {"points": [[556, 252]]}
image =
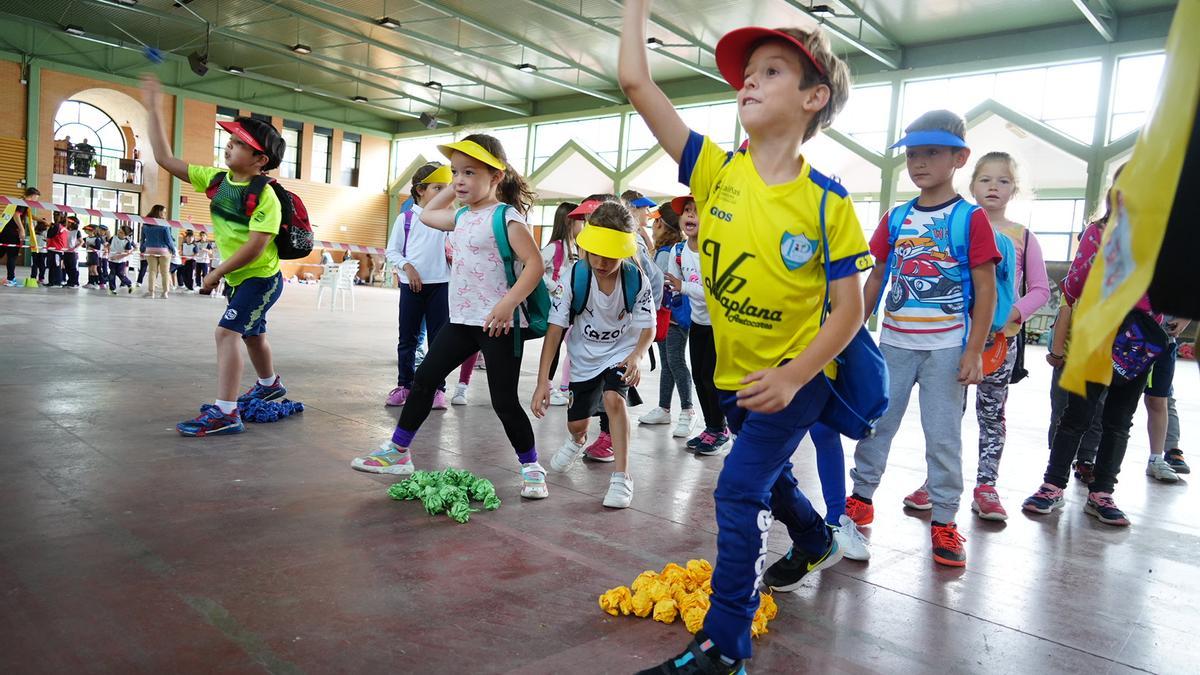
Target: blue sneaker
{"points": [[700, 658], [1045, 500], [212, 422], [714, 443], [268, 393]]}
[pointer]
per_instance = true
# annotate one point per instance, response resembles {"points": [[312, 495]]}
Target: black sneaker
{"points": [[1085, 471], [787, 572], [1175, 461], [700, 658], [714, 443]]}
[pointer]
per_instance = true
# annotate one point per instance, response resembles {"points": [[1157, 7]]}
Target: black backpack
{"points": [[295, 237]]}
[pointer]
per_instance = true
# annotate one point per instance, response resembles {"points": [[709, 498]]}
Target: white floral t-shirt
{"points": [[477, 279]]}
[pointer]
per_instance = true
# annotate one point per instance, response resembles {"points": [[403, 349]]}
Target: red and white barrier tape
{"points": [[177, 224]]}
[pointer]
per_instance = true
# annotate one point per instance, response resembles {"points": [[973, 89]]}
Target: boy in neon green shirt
{"points": [[246, 240]]}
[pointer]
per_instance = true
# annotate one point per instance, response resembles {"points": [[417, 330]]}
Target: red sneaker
{"points": [[987, 504], [919, 500], [601, 449], [948, 546], [859, 511]]}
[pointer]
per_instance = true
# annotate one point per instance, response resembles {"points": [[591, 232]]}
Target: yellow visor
{"points": [[474, 150], [606, 242], [440, 176]]}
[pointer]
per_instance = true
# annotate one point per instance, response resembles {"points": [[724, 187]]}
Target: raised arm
{"points": [[152, 98], [438, 213], [633, 74]]}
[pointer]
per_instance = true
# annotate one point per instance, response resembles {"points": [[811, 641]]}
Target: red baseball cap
{"points": [[733, 51], [585, 209], [239, 132], [678, 203]]}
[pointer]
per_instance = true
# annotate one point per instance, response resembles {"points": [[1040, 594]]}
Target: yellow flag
{"points": [[1144, 195]]}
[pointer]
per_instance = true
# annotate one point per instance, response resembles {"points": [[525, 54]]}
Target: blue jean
{"points": [[755, 487], [428, 309]]}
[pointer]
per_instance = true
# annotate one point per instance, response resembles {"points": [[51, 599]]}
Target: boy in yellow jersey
{"points": [[250, 260], [764, 276]]}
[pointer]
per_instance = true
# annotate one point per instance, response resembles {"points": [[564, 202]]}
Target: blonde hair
{"points": [[998, 156], [836, 77]]}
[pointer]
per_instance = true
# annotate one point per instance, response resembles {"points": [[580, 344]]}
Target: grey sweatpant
{"points": [[1172, 425], [941, 400]]}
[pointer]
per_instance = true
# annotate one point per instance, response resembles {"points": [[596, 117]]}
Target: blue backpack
{"points": [[581, 285], [681, 305], [960, 247]]}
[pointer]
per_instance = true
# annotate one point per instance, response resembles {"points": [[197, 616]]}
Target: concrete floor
{"points": [[126, 548]]}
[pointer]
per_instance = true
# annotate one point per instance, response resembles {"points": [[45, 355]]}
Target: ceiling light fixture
{"points": [[654, 43], [359, 98], [301, 48], [297, 89], [74, 30], [434, 84], [236, 70], [527, 68], [822, 11], [388, 23]]}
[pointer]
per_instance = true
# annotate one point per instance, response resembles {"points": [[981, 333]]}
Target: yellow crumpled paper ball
{"points": [[617, 601], [642, 604], [665, 611], [678, 592]]}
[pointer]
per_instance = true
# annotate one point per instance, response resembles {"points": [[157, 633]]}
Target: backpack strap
{"points": [[408, 218], [254, 192], [631, 284], [214, 184], [581, 287], [896, 217], [960, 248], [560, 254], [679, 257]]}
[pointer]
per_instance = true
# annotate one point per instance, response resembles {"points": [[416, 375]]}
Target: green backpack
{"points": [[537, 305]]}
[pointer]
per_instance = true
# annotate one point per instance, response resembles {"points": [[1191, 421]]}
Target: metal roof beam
{"points": [[674, 28], [592, 23], [480, 55], [505, 35], [308, 61], [877, 52], [1101, 15], [316, 21]]}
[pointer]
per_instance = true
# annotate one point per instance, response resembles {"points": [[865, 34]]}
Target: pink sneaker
{"points": [[397, 396], [918, 500], [987, 504], [601, 449], [439, 400]]}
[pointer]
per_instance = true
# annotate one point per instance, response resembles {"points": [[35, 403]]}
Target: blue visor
{"points": [[944, 138], [642, 201]]}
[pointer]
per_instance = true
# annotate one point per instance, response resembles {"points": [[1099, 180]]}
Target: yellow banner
{"points": [[1144, 195]]}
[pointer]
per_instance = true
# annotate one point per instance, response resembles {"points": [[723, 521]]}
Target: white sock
{"points": [[227, 407], [268, 380], [460, 388]]}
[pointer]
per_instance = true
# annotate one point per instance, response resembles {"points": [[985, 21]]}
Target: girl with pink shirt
{"points": [[482, 305]]}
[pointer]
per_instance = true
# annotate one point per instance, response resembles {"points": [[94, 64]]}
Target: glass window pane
{"points": [[865, 116], [1137, 82], [60, 193], [512, 139], [128, 202], [600, 135], [407, 150]]}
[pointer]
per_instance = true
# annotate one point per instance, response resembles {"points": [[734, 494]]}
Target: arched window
{"points": [[82, 121]]}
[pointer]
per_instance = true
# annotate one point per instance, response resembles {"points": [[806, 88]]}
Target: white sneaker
{"points": [[460, 394], [1158, 469], [656, 416], [568, 454], [852, 542], [533, 478], [559, 397], [687, 420], [620, 491]]}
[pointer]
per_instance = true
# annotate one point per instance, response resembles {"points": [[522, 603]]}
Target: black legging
{"points": [[117, 272], [453, 344], [703, 351], [142, 270], [11, 253]]}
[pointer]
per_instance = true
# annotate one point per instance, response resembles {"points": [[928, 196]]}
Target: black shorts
{"points": [[1162, 374], [92, 258], [249, 301], [587, 397]]}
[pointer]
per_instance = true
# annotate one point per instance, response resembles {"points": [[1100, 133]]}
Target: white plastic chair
{"points": [[329, 280]]}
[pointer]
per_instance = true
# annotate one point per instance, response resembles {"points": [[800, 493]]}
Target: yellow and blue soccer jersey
{"points": [[761, 255]]}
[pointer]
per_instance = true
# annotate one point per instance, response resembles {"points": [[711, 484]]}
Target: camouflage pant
{"points": [[990, 396]]}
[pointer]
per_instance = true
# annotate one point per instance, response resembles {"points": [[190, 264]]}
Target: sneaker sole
{"points": [[988, 515], [685, 433], [531, 494], [1030, 508], [1180, 470], [620, 505], [1092, 511], [917, 507], [394, 470], [1165, 478], [832, 559], [610, 458], [948, 562], [389, 404]]}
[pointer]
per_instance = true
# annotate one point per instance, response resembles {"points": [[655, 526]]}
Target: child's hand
{"points": [[541, 400], [151, 92], [970, 368], [674, 282], [211, 281], [633, 374], [769, 390], [500, 320]]}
